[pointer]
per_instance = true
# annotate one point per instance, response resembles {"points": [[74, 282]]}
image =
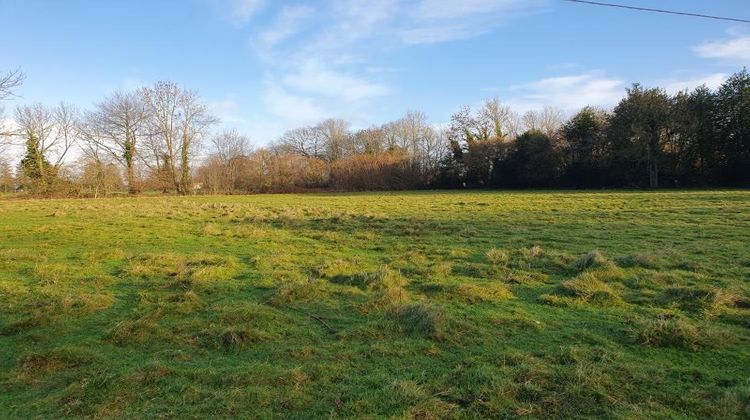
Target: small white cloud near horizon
{"points": [[568, 93], [736, 49], [711, 81]]}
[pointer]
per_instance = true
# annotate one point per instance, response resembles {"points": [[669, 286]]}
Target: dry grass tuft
{"points": [[498, 257], [675, 331], [201, 269], [421, 319], [585, 288], [290, 291], [592, 259], [430, 409], [475, 293], [644, 259], [386, 284], [212, 229], [131, 332], [51, 361], [30, 322], [443, 269]]}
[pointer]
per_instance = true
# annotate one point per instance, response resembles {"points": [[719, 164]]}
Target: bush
{"points": [[386, 171]]}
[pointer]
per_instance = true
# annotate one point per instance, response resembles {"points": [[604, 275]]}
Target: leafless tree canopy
{"points": [[178, 122], [8, 82], [160, 138], [116, 127]]}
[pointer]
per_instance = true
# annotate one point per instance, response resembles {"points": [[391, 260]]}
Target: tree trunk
{"points": [[653, 160], [130, 170], [185, 167]]}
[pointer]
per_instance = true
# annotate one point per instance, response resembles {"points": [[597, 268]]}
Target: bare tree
{"points": [[116, 126], [548, 120], [336, 138], [304, 141], [498, 119], [48, 135], [370, 140], [408, 133], [230, 150], [178, 121], [492, 122], [8, 82], [6, 176]]}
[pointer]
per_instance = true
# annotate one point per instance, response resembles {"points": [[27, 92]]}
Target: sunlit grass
{"points": [[423, 305]]}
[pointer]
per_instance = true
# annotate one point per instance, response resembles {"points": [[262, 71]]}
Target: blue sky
{"points": [[265, 66]]}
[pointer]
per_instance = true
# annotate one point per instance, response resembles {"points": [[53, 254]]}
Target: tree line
{"points": [[162, 138]]}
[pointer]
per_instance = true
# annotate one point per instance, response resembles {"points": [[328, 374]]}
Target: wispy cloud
{"points": [[440, 21], [293, 108], [288, 23], [594, 88], [735, 50], [711, 81], [244, 10], [569, 92], [319, 60], [227, 110]]}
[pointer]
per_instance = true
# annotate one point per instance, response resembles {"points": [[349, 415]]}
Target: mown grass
{"points": [[414, 305]]}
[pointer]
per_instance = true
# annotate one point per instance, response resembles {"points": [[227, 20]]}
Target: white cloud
{"points": [[316, 60], [292, 108], [568, 93], [439, 33], [711, 81], [315, 78], [244, 10], [287, 24], [227, 110], [445, 20], [573, 92], [734, 50], [450, 9]]}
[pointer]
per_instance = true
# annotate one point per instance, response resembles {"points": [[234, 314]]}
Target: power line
{"points": [[669, 12]]}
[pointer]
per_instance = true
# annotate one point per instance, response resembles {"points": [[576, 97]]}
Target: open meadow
{"points": [[417, 305]]}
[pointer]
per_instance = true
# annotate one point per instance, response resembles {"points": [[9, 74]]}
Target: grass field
{"points": [[421, 305]]}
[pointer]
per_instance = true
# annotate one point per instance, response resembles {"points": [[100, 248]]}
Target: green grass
{"points": [[416, 305]]}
